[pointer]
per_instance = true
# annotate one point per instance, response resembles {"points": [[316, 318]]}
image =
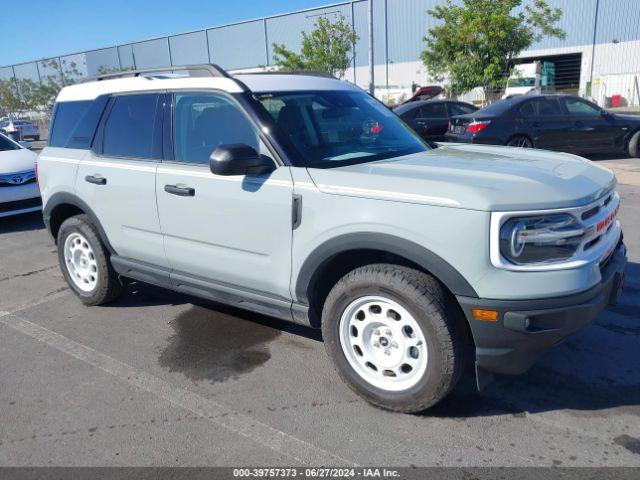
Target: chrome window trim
{"points": [[598, 252]]}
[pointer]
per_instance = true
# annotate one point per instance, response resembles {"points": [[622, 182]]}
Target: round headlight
{"points": [[540, 239], [516, 245]]}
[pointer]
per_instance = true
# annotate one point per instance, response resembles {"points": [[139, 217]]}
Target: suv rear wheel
{"points": [[391, 337], [85, 262]]}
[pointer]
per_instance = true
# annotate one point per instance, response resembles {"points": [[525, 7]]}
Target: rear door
{"points": [[432, 121], [117, 177], [543, 119], [234, 231]]}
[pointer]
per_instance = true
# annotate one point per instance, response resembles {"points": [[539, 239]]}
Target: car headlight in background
{"points": [[540, 239]]}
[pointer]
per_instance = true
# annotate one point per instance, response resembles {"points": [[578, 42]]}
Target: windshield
{"points": [[335, 128], [6, 144], [522, 82]]}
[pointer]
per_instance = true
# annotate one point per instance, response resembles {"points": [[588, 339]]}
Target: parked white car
{"points": [[18, 188], [20, 129]]}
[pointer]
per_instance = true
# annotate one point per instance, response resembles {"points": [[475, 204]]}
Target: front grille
{"points": [[17, 178], [20, 204], [31, 180]]}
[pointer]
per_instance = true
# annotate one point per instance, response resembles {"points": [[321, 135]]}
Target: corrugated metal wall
{"points": [[399, 27]]}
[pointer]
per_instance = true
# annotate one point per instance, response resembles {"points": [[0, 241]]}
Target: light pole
{"points": [[372, 86]]}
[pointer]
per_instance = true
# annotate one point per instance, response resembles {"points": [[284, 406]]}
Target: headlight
{"points": [[540, 239]]}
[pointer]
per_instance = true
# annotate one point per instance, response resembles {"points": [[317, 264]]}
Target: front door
{"points": [[591, 131], [234, 231]]}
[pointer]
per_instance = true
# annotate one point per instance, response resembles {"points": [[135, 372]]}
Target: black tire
{"points": [[108, 286], [634, 145], [424, 298], [520, 141]]}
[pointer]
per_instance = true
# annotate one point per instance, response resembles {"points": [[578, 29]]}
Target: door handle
{"points": [[180, 191], [96, 179]]}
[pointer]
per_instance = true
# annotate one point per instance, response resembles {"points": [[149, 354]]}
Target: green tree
{"points": [[475, 42], [328, 48]]}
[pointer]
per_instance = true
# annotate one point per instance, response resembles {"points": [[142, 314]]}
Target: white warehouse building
{"points": [[599, 58]]}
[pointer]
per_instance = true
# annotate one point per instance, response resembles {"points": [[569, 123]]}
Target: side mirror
{"points": [[25, 144], [239, 159]]}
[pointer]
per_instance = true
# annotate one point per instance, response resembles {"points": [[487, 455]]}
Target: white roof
{"points": [[256, 83], [288, 83]]}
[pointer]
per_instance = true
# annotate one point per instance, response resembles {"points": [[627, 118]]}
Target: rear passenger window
{"points": [[541, 107], [133, 128], [66, 117], [436, 110], [203, 122]]}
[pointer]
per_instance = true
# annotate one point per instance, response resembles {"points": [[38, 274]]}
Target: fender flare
{"points": [[65, 198], [411, 251]]}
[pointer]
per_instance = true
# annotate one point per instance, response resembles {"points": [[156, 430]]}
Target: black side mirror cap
{"points": [[239, 159]]}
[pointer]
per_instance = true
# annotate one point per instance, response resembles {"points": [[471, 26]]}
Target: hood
{"points": [[628, 118], [14, 161], [473, 177]]}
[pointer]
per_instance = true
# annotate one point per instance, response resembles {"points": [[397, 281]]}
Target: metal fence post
{"points": [[266, 41]]}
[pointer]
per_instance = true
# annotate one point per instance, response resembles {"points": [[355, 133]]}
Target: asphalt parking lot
{"points": [[159, 378]]}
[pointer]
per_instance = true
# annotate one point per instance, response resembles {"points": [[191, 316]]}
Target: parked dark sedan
{"points": [[430, 119], [554, 122]]}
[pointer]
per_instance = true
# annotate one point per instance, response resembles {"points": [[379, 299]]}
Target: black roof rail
{"points": [[310, 73], [204, 70]]}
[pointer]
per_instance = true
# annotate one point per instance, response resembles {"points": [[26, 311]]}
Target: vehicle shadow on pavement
{"points": [[139, 294], [22, 223], [210, 341], [595, 369]]}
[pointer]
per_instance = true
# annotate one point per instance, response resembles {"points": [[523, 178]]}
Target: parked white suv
{"points": [[304, 198]]}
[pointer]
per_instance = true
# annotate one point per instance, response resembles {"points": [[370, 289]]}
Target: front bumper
{"points": [[525, 329], [18, 199]]}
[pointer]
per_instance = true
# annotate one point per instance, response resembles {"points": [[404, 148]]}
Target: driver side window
{"points": [[580, 108], [204, 121]]}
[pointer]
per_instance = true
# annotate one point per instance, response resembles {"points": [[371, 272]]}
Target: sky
{"points": [[58, 27]]}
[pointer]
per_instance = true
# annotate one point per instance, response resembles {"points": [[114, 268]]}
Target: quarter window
{"points": [[66, 118], [205, 121], [132, 127]]}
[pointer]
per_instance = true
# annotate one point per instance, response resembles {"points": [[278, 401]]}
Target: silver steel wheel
{"points": [[80, 262], [383, 343]]}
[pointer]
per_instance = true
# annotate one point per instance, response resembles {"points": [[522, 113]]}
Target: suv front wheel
{"points": [[85, 262], [392, 338]]}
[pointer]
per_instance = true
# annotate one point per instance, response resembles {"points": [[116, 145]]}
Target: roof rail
{"points": [[209, 70], [310, 73]]}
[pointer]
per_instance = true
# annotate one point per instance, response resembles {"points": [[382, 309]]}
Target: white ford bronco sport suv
{"points": [[303, 198]]}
